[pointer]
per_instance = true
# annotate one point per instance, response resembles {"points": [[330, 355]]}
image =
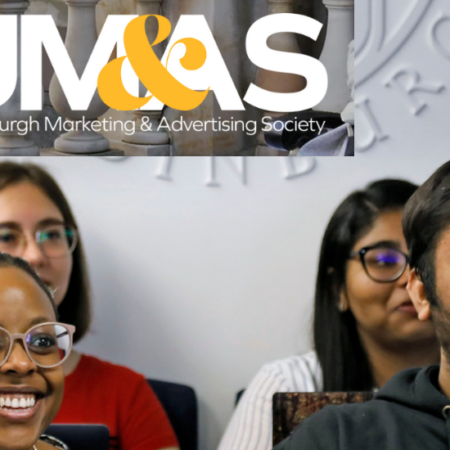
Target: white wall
{"points": [[202, 285]]}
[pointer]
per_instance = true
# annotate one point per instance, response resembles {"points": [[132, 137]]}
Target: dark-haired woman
{"points": [[33, 347], [35, 218], [365, 326]]}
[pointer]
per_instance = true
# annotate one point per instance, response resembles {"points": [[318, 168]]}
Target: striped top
{"points": [[250, 427]]}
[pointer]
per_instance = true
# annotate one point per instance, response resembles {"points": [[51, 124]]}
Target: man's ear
{"points": [[416, 290]]}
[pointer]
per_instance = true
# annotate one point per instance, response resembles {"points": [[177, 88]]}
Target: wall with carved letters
{"points": [[402, 67], [203, 269]]}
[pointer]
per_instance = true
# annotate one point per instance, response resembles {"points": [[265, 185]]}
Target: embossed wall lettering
{"points": [[408, 83], [379, 46], [440, 36], [293, 167], [387, 32], [370, 131]]}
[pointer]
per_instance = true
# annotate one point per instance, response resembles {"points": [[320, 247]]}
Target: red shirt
{"points": [[98, 392]]}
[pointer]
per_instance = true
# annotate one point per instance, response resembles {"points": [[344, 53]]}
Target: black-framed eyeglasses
{"points": [[55, 241], [382, 264]]}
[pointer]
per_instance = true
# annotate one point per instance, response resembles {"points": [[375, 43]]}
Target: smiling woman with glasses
{"points": [[365, 326], [37, 224], [33, 348]]}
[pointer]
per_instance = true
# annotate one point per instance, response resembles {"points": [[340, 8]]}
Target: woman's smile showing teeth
{"points": [[17, 401], [16, 406]]}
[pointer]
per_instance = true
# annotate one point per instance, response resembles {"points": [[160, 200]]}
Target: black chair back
{"points": [[180, 404], [238, 397]]}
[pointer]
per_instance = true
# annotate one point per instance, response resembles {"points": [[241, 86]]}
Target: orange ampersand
{"points": [[153, 75]]}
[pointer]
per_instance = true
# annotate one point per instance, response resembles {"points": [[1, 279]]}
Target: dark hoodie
{"points": [[408, 413]]}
